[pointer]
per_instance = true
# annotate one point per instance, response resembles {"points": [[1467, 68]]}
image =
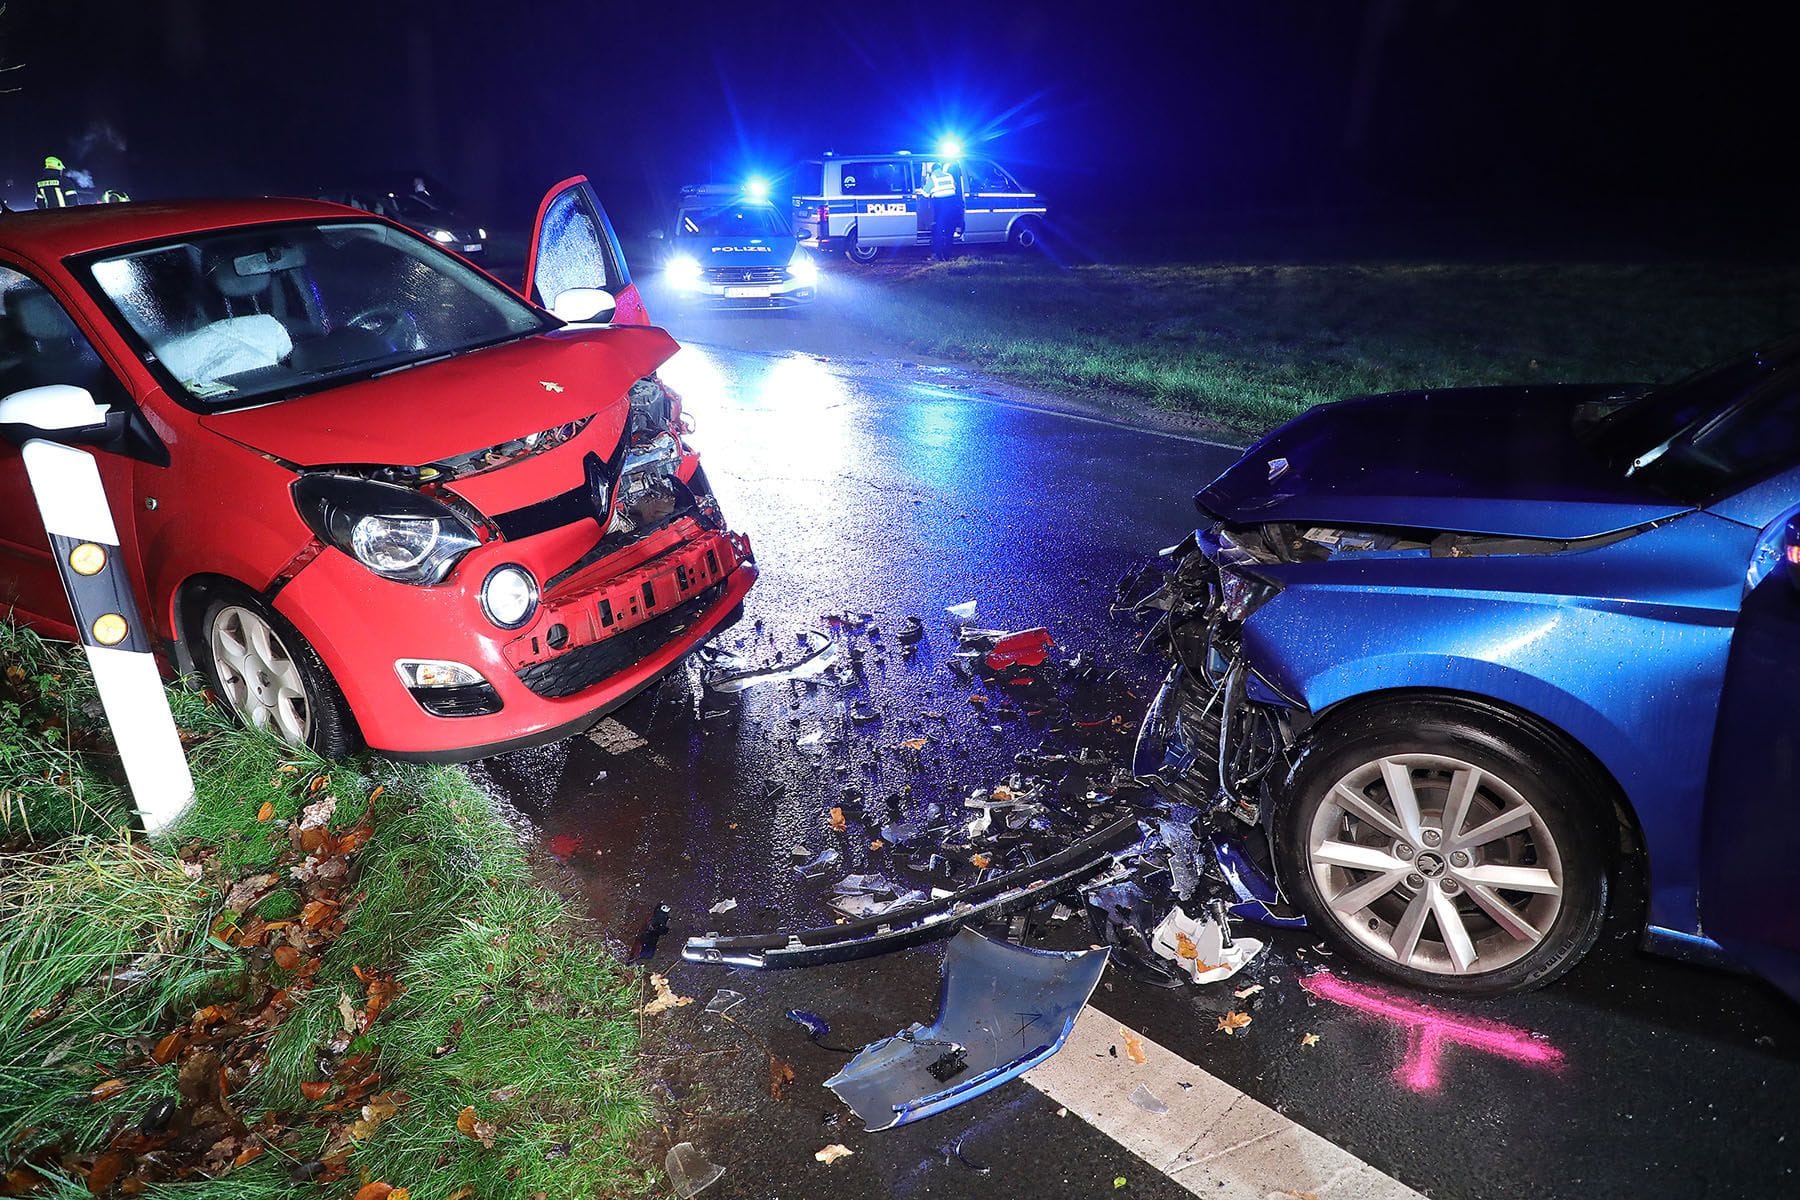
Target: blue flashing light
{"points": [[756, 187], [950, 148]]}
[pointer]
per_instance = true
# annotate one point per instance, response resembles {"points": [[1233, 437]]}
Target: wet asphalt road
{"points": [[874, 487]]}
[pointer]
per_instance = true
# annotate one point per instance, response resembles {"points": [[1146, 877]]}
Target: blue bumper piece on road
{"points": [[1002, 1009]]}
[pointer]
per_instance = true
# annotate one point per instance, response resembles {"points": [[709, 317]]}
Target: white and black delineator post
{"points": [[70, 496]]}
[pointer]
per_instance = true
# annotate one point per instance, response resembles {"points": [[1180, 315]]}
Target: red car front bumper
{"points": [[599, 636]]}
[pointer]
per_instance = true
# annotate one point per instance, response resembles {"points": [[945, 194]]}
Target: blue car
{"points": [[735, 250], [1448, 668]]}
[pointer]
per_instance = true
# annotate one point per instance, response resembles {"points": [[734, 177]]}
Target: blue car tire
{"points": [[1450, 844]]}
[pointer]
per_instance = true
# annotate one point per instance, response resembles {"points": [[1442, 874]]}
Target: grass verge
{"points": [[1247, 347], [331, 978]]}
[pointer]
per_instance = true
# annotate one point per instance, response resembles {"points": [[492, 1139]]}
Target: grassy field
{"points": [[1246, 347], [332, 979]]}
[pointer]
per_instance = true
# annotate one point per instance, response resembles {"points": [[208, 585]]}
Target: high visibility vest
{"points": [[50, 193], [943, 185]]}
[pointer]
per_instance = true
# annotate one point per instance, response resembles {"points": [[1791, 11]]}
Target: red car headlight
{"points": [[394, 531]]}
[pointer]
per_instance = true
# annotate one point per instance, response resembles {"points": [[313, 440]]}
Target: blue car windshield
{"points": [[1712, 433], [731, 220]]}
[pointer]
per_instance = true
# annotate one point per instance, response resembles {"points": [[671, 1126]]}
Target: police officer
{"points": [[51, 191], [946, 209]]}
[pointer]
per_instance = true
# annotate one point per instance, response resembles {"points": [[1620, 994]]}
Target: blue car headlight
{"points": [[1241, 593]]}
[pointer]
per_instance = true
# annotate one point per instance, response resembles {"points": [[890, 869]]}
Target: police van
{"points": [[868, 204]]}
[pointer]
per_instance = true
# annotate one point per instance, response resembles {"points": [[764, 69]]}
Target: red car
{"points": [[375, 495]]}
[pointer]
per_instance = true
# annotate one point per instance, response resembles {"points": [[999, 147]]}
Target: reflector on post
{"points": [[66, 483]]}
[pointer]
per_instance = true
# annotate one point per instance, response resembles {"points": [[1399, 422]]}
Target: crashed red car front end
{"points": [[614, 526]]}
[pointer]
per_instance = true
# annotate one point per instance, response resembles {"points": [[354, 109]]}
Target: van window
{"points": [[983, 175], [886, 177], [809, 179]]}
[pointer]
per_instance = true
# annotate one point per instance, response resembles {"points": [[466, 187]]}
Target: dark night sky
{"points": [[1259, 106]]}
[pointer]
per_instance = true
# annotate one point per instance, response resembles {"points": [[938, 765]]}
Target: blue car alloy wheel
{"points": [[1449, 843]]}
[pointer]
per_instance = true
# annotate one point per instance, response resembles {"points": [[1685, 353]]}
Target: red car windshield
{"points": [[245, 316]]}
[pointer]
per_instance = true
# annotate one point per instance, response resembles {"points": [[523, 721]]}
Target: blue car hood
{"points": [[1500, 461], [739, 252]]}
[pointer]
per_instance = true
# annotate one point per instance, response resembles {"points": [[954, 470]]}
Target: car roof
{"points": [[47, 234]]}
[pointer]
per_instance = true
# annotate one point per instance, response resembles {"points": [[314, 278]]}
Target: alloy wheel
{"points": [[1435, 864], [258, 674]]}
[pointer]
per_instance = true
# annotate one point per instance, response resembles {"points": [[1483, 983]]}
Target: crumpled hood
{"points": [[453, 407], [1500, 461]]}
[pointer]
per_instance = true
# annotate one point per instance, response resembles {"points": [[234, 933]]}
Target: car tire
{"points": [[1495, 799], [1027, 237], [860, 254], [268, 676]]}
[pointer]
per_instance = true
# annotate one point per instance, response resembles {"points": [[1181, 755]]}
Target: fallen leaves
{"points": [[248, 891], [1134, 1046], [1184, 946], [980, 862], [378, 1109], [472, 1126], [665, 997], [781, 1073], [1309, 1039], [1232, 1021], [378, 1190], [195, 1130], [833, 1152], [1244, 993], [837, 819], [106, 1091]]}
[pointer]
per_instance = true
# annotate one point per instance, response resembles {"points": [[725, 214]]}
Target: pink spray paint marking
{"points": [[1428, 1031]]}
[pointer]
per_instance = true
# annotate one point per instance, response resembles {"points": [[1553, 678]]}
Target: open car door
{"points": [[1749, 890], [575, 254]]}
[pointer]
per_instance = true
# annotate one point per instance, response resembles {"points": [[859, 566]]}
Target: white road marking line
{"points": [[1215, 1141]]}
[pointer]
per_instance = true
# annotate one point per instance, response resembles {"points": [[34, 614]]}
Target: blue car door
{"points": [[1749, 889]]}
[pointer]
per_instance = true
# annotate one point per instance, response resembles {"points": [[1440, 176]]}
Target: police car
{"points": [[732, 248], [868, 204]]}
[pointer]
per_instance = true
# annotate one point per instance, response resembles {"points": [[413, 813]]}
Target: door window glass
{"points": [[40, 344], [891, 177], [981, 175], [571, 249]]}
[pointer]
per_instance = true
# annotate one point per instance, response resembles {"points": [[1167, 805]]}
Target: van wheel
{"points": [[1027, 235], [860, 254], [1449, 845], [266, 673]]}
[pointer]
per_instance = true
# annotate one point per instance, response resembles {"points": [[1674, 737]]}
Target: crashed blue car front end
{"points": [[1447, 665]]}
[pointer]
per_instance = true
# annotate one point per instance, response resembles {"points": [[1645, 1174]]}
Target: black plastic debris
{"points": [[912, 631], [1002, 1009], [655, 925], [993, 897], [728, 673]]}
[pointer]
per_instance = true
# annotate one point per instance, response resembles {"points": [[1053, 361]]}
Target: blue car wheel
{"points": [[1448, 844]]}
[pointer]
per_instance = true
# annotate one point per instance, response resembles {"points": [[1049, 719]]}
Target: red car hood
{"points": [[456, 406]]}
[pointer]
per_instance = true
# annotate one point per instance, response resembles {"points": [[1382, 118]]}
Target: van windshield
{"points": [[247, 315], [731, 220]]}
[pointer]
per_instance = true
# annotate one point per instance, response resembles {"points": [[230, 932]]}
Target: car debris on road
{"points": [[1070, 830], [1002, 1010]]}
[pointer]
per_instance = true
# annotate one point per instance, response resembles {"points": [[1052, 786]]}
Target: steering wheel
{"points": [[388, 321]]}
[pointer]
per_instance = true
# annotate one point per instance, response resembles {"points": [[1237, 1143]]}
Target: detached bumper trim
{"points": [[924, 922]]}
